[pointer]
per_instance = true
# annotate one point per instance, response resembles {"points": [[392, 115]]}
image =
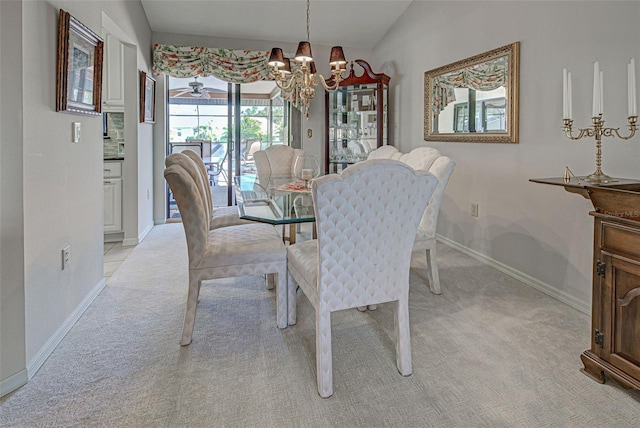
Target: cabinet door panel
{"points": [[625, 301], [113, 205]]}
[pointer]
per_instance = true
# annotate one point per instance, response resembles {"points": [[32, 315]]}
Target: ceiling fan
{"points": [[196, 90]]}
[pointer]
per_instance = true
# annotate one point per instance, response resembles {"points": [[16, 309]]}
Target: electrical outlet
{"points": [[75, 132], [474, 210], [66, 256]]}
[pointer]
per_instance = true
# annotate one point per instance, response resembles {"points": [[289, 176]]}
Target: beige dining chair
{"points": [[427, 159], [276, 160], [220, 216], [224, 252], [366, 220]]}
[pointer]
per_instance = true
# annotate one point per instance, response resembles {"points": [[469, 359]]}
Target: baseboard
{"points": [[132, 242], [36, 362], [12, 383], [158, 221], [579, 305]]}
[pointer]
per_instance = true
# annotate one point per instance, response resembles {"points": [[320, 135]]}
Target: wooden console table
{"points": [[615, 309]]}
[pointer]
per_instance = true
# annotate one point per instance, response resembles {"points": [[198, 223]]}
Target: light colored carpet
{"points": [[488, 352]]}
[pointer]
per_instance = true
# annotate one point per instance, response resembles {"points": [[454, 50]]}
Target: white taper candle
{"points": [[596, 89], [601, 92], [569, 96], [634, 106], [565, 104]]}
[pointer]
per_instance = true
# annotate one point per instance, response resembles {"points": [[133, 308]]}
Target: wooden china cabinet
{"points": [[615, 307], [356, 117]]}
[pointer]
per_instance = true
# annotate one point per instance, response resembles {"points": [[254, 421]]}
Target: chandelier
{"points": [[301, 80]]}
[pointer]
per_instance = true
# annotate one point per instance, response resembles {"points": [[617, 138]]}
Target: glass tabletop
{"points": [[273, 199]]}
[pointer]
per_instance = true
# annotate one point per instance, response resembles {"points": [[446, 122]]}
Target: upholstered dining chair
{"points": [[427, 159], [366, 219], [276, 160], [220, 216], [240, 250]]}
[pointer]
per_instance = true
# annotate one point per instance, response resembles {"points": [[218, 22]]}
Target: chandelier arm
{"points": [[328, 87]]}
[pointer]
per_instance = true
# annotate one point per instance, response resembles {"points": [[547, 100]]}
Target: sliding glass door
{"points": [[225, 123]]}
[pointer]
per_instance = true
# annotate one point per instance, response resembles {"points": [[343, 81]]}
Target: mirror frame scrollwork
{"points": [[512, 54]]}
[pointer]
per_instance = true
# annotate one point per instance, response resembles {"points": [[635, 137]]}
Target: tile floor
{"points": [[114, 254]]}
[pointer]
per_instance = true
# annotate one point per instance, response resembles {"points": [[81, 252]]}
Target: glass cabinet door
{"points": [[356, 116]]}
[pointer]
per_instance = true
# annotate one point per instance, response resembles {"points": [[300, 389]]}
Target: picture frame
{"points": [[147, 98], [79, 68]]}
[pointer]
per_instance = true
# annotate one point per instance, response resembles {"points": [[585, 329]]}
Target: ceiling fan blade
{"points": [[181, 92]]}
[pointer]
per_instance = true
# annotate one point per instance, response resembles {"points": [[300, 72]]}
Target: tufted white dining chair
{"points": [[366, 221], [427, 159], [276, 160], [240, 250], [220, 216]]}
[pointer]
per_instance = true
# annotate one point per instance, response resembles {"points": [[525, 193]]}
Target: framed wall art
{"points": [[79, 68], [147, 98]]}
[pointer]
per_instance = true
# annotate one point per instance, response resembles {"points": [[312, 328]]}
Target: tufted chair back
{"points": [[383, 152], [193, 206], [220, 216], [197, 160], [276, 160], [366, 220], [365, 231], [442, 168], [428, 159]]}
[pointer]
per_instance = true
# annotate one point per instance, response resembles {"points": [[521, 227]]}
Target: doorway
{"points": [[225, 124]]}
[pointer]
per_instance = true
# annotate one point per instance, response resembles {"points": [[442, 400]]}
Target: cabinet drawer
{"points": [[112, 169], [620, 239]]}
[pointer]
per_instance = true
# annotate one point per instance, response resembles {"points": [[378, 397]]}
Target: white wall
{"points": [[313, 145], [536, 229], [61, 192], [12, 338]]}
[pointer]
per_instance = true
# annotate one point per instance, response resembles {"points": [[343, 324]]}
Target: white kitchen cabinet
{"points": [[113, 78], [112, 186]]}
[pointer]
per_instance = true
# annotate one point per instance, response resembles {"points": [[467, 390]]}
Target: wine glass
{"points": [[306, 168]]}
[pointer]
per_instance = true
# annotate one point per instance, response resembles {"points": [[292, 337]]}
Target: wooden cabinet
{"points": [[113, 78], [356, 117], [615, 342], [112, 185], [615, 301]]}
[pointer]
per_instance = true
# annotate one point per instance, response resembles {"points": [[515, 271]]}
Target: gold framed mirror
{"points": [[484, 87]]}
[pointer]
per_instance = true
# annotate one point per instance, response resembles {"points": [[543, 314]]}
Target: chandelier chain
{"points": [[308, 20]]}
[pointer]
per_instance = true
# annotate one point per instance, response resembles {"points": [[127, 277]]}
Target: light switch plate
{"points": [[75, 132]]}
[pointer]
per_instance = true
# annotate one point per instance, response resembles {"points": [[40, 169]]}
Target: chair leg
{"points": [[324, 369], [403, 336], [190, 314], [432, 271], [291, 299]]}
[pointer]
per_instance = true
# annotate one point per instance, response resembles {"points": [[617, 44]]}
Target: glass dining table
{"points": [[275, 200]]}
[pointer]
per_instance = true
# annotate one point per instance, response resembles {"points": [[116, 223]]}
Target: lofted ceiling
{"points": [[350, 23]]}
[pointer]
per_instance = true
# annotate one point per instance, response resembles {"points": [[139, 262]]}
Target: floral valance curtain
{"points": [[235, 66], [482, 77]]}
